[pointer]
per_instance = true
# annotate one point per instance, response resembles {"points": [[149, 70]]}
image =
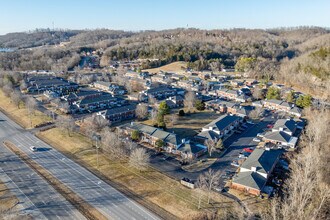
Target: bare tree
{"points": [[99, 123], [7, 89], [17, 98], [31, 105], [154, 116], [173, 119], [66, 123], [211, 144], [307, 192], [189, 100], [139, 159], [208, 181], [130, 145], [257, 93], [152, 101], [255, 113], [23, 85], [141, 111], [112, 144]]}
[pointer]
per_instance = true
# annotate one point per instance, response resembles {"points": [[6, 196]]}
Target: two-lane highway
{"points": [[110, 202]]}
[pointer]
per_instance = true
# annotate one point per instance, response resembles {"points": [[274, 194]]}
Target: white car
{"points": [[256, 139], [33, 148]]}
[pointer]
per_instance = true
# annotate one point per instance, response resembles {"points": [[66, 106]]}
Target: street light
{"points": [[97, 138]]}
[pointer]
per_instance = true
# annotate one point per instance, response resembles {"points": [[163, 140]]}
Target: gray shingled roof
{"points": [[210, 135], [250, 179], [101, 98], [262, 159], [103, 83], [155, 132], [121, 109], [275, 101], [192, 148], [279, 136], [222, 122], [287, 125]]}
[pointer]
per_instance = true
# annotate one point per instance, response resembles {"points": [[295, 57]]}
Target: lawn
{"points": [[156, 189], [175, 67], [190, 124], [20, 115]]}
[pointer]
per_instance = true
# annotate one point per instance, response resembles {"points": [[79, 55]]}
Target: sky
{"points": [[135, 15]]}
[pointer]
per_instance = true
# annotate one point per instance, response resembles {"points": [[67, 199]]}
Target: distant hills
{"points": [[281, 54]]}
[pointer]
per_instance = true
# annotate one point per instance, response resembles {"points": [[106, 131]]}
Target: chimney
{"points": [[183, 140], [254, 169], [267, 148], [281, 129], [210, 128]]}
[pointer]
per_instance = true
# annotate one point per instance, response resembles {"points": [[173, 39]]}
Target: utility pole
{"points": [[97, 154]]}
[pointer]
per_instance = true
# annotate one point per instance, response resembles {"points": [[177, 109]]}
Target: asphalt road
{"points": [[37, 198], [106, 199]]}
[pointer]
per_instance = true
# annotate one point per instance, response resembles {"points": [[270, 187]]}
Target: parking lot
{"points": [[235, 144]]}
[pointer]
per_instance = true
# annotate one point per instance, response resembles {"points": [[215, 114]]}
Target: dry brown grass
{"points": [[20, 115], [151, 185], [189, 125], [175, 67], [253, 203]]}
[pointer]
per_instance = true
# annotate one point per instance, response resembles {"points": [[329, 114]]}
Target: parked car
{"points": [[256, 139], [250, 122], [270, 126], [248, 149], [33, 148], [234, 163], [238, 132], [242, 156], [244, 126]]}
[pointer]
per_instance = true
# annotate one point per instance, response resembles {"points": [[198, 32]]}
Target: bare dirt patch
{"points": [[175, 67]]}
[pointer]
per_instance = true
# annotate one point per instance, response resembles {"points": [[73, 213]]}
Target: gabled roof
{"points": [[262, 159], [279, 136], [160, 89], [101, 98], [250, 179], [286, 104], [172, 139], [234, 92], [191, 148], [119, 110], [229, 104], [286, 124], [296, 110], [160, 134], [275, 101], [209, 135], [155, 132], [259, 102], [222, 122], [103, 83]]}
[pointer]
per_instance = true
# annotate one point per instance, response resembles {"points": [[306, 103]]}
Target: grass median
{"points": [[160, 192]]}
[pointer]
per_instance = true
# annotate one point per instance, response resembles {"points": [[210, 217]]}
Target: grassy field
{"points": [[175, 67], [189, 125], [20, 114], [151, 186]]}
